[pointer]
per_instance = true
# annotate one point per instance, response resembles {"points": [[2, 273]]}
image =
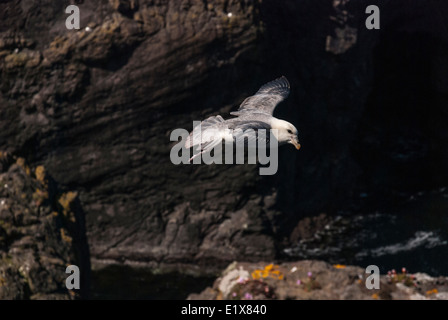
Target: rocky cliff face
{"points": [[42, 231], [96, 106]]}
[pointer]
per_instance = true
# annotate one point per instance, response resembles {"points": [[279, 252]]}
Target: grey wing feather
{"points": [[266, 98], [195, 136], [251, 132], [206, 147], [206, 135]]}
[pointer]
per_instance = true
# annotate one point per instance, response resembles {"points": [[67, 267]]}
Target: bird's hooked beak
{"points": [[295, 142]]}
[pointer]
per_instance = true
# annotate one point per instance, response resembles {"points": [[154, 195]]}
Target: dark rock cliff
{"points": [[96, 106], [42, 231]]}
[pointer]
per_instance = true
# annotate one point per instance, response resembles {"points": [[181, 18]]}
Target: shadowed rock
{"points": [[42, 231]]}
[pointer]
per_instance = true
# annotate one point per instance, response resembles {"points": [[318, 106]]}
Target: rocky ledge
{"points": [[318, 280]]}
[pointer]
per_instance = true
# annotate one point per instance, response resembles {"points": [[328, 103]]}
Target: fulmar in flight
{"points": [[256, 112]]}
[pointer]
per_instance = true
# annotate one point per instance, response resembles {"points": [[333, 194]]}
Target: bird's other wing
{"points": [[208, 134], [266, 98], [196, 137], [206, 147]]}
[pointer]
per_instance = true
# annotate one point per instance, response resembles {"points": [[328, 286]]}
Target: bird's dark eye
{"points": [[289, 131]]}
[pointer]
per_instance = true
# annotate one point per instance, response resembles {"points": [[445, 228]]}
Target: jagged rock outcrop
{"points": [[318, 280], [42, 231], [95, 106]]}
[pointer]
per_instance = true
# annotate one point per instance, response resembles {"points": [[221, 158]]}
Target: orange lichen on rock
{"points": [[270, 270], [433, 291], [21, 162], [65, 237], [65, 201], [41, 175]]}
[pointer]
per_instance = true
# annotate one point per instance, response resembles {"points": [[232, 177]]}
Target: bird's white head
{"points": [[285, 132]]}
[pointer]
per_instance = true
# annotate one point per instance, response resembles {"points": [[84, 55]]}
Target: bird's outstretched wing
{"points": [[266, 98], [208, 134], [211, 124]]}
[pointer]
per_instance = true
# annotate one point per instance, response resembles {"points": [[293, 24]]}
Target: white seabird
{"points": [[256, 112]]}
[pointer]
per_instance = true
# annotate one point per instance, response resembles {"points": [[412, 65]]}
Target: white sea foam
{"points": [[426, 239]]}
